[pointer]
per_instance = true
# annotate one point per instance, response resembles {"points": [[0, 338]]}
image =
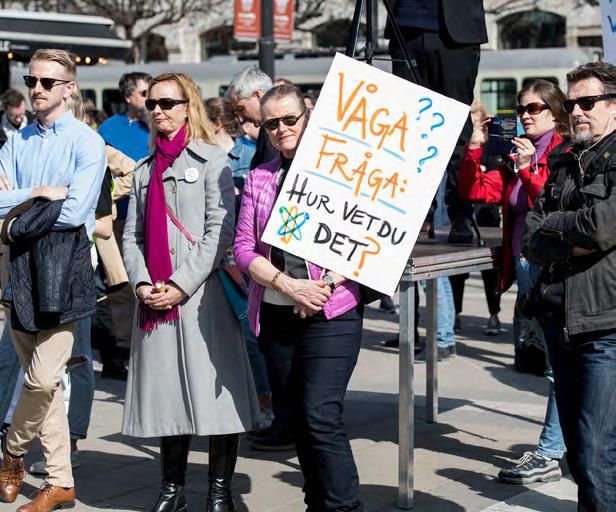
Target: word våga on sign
{"points": [[364, 175]]}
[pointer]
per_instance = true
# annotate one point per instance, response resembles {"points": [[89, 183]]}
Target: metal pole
{"points": [[406, 403], [352, 42], [369, 32], [266, 41], [432, 351]]}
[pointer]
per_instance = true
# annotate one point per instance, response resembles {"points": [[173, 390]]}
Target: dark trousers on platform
{"points": [[585, 385], [448, 68], [310, 362]]}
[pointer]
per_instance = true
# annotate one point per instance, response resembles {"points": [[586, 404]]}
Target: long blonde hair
{"points": [[198, 126], [75, 104]]}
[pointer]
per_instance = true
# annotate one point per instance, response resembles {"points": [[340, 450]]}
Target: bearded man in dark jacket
{"points": [[571, 232]]}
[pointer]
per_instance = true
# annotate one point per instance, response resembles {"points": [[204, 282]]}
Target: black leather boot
{"points": [[173, 462], [223, 456]]}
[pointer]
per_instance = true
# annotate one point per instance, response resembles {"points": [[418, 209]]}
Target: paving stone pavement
{"points": [[488, 414]]}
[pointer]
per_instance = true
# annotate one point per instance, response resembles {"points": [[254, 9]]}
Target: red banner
{"points": [[283, 19], [247, 19]]}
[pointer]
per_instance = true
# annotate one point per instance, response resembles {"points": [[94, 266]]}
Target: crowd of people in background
{"points": [[160, 210]]}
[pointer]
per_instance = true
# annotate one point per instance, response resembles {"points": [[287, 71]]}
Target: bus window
{"points": [[88, 94], [113, 103], [498, 95], [528, 79]]}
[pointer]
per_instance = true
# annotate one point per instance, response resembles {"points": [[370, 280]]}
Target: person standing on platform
{"points": [[443, 37]]}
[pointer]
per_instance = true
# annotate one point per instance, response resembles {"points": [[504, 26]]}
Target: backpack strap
{"points": [[180, 226]]}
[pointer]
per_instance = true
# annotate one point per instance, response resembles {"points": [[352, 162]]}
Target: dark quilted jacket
{"points": [[52, 280]]}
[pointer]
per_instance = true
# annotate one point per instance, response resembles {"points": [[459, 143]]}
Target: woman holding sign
{"points": [[308, 320], [515, 184], [189, 373]]}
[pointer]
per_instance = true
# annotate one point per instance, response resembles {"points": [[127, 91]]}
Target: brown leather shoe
{"points": [[11, 477], [50, 497]]}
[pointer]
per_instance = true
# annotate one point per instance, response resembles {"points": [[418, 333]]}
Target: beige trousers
{"points": [[40, 410]]}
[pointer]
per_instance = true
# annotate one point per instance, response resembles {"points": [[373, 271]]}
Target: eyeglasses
{"points": [[532, 108], [144, 93], [585, 102], [163, 103], [47, 83], [290, 120]]}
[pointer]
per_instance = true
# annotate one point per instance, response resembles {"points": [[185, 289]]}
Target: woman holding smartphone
{"points": [[515, 183]]}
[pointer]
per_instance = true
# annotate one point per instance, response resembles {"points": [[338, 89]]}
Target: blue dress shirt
{"points": [[69, 153]]}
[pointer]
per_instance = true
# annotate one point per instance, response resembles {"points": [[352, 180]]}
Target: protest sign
{"points": [[608, 22], [365, 173]]}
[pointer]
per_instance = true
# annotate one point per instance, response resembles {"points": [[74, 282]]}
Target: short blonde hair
{"points": [[198, 127], [62, 57]]}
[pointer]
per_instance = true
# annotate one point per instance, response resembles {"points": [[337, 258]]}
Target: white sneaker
{"points": [[38, 468]]}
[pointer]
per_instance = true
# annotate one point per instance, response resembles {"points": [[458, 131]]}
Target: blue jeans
{"points": [[82, 379], [310, 363], [551, 443], [9, 370], [445, 313], [585, 381]]}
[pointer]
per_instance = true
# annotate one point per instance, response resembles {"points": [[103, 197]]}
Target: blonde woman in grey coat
{"points": [[189, 373]]}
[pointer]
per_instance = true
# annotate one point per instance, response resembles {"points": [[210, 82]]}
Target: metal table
{"points": [[431, 258]]}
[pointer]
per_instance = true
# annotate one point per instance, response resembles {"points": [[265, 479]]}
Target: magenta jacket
{"points": [[257, 203]]}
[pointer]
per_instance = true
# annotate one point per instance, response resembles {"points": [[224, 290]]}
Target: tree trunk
{"points": [[128, 35]]}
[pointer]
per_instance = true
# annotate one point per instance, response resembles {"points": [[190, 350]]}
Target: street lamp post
{"points": [[266, 41]]}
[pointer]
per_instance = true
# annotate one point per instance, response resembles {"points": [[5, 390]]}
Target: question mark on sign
{"points": [[432, 152], [428, 105], [364, 252], [440, 122]]}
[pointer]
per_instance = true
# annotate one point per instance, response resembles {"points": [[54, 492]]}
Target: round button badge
{"points": [[191, 175]]}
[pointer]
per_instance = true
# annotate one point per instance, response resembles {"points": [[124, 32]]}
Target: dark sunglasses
{"points": [[47, 83], [163, 103], [532, 108], [585, 102], [144, 93], [290, 120]]}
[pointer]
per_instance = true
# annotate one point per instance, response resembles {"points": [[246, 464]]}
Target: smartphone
{"points": [[501, 129]]}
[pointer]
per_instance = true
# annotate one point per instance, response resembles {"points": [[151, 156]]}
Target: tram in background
{"points": [[501, 74]]}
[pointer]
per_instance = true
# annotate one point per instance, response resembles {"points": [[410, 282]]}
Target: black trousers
{"points": [[310, 362], [448, 68]]}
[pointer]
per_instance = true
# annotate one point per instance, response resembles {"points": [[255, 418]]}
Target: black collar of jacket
{"points": [[36, 218], [597, 158]]}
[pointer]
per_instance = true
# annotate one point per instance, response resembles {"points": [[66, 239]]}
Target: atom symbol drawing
{"points": [[292, 223]]}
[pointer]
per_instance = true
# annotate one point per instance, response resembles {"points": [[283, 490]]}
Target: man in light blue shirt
{"points": [[57, 157]]}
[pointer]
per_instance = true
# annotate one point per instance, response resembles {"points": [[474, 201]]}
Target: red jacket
{"points": [[495, 187]]}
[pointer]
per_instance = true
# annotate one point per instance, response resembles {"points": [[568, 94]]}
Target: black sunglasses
{"points": [[585, 102], [144, 93], [47, 83], [532, 108], [163, 103], [290, 120]]}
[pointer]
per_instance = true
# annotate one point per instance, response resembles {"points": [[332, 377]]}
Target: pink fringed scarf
{"points": [[156, 237]]}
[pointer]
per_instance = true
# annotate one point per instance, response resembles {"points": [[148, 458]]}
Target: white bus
{"points": [[501, 74]]}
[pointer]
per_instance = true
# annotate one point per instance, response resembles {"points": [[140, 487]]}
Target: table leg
{"points": [[431, 352], [406, 404]]}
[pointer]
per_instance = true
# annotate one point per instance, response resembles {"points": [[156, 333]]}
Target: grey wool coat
{"points": [[192, 376]]}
